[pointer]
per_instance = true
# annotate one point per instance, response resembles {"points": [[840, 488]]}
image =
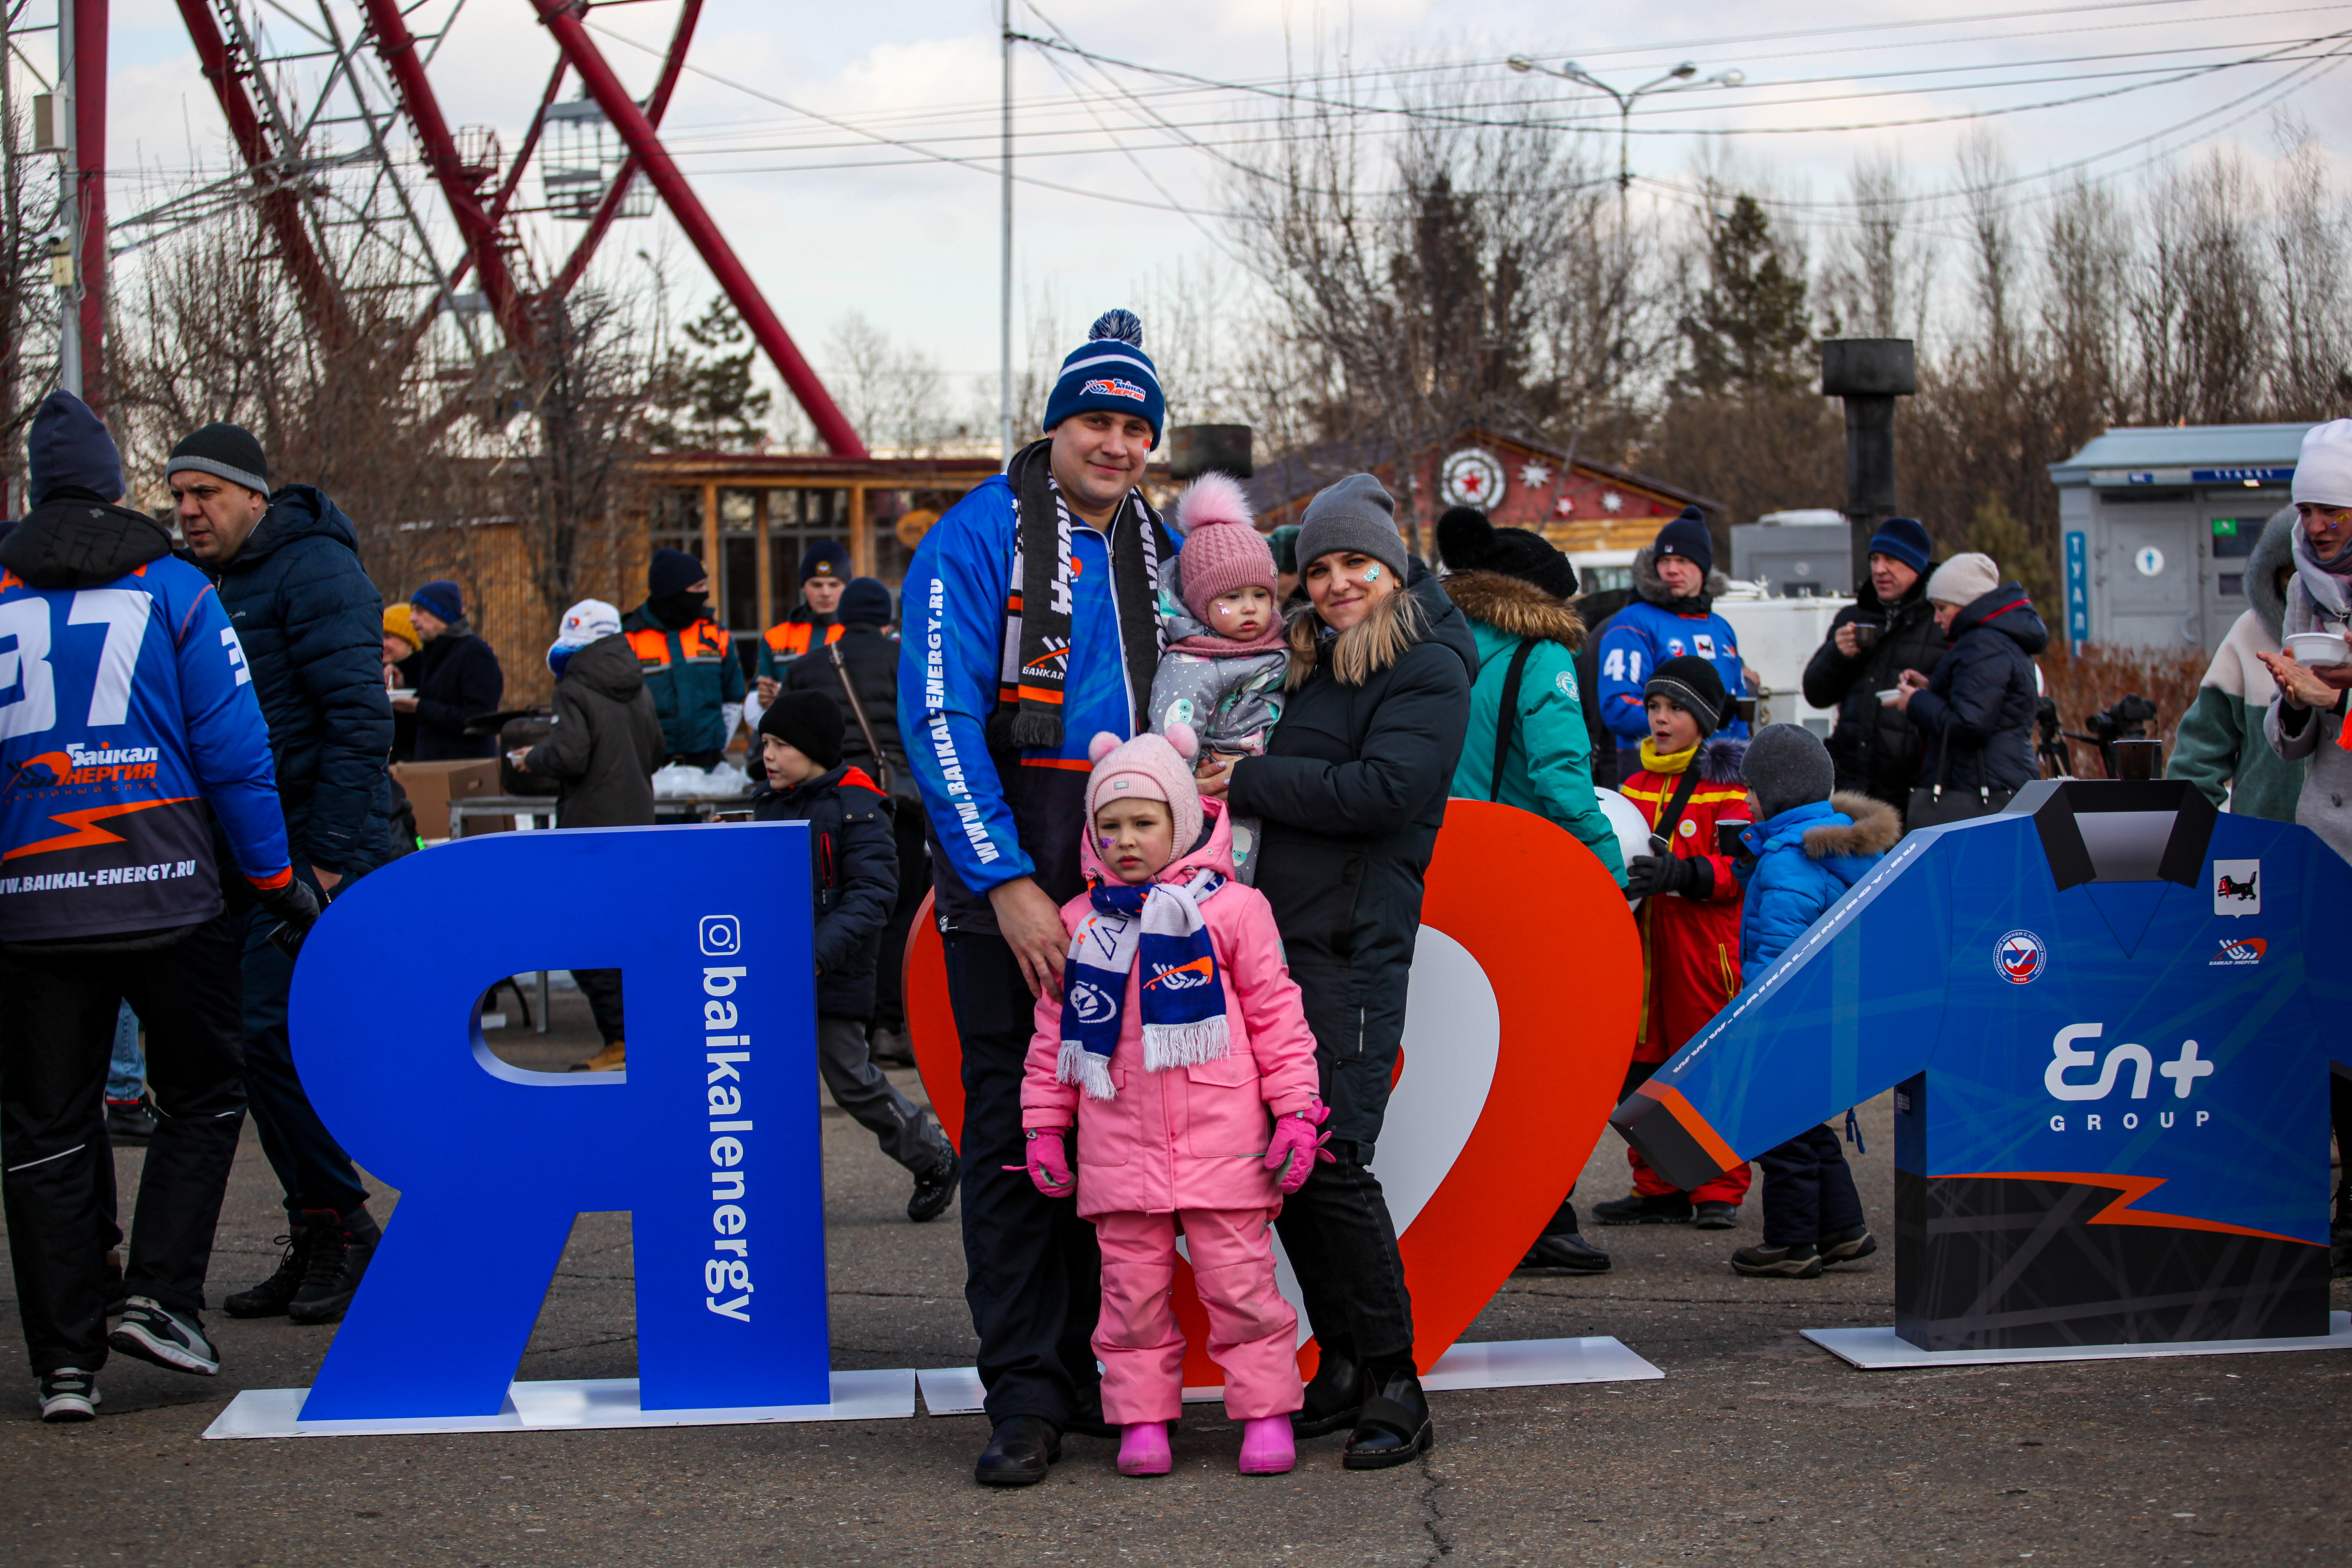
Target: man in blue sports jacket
{"points": [[128, 725], [1031, 626], [1672, 616], [288, 572]]}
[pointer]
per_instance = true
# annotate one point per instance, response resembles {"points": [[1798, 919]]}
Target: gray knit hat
{"points": [[225, 451], [1787, 766], [1355, 513]]}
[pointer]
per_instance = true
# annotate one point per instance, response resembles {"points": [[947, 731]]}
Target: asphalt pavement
{"points": [[1755, 1447]]}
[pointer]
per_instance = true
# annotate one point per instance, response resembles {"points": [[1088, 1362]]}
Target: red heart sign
{"points": [[1527, 991]]}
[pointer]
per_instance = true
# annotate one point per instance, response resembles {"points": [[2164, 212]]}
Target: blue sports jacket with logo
{"points": [[951, 663], [2111, 1052], [1641, 635], [125, 710]]}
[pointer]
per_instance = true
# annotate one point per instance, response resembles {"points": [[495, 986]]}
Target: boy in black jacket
{"points": [[854, 871]]}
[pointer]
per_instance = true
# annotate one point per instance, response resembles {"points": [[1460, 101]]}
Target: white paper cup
{"points": [[2319, 648]]}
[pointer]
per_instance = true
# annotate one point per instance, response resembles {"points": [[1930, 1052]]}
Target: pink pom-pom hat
{"points": [[1149, 767], [1223, 548]]}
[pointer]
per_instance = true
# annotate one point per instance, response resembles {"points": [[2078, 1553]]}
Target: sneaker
{"points": [[1846, 1246], [68, 1393], [128, 1123], [155, 1333], [274, 1295], [889, 1047], [1798, 1262], [339, 1258], [1642, 1208], [1714, 1217], [1567, 1250], [613, 1057], [935, 1189]]}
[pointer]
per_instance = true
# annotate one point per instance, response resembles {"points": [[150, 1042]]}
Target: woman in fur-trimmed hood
{"points": [[1528, 743]]}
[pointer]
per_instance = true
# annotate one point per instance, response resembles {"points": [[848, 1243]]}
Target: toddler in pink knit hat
{"points": [[1223, 673]]}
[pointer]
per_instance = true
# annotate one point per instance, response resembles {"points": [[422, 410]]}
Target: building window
{"points": [[796, 520]]}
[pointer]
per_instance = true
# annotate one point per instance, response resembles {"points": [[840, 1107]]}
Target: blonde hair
{"points": [[1394, 623]]}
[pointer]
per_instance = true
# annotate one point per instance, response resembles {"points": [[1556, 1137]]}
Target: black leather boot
{"points": [[1334, 1395], [1394, 1427], [274, 1295], [338, 1257], [1018, 1452]]}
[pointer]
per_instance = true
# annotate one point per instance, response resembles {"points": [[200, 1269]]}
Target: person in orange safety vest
{"points": [[689, 660], [824, 573]]}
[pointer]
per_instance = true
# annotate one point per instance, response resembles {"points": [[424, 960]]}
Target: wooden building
{"points": [[1579, 505]]}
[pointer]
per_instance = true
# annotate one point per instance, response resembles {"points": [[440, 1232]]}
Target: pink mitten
{"points": [[1295, 1147], [1049, 1162]]}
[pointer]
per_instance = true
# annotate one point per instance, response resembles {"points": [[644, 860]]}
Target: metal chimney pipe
{"points": [[1869, 374]]}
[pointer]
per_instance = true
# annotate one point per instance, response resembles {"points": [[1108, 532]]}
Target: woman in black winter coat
{"points": [[1350, 792], [459, 678], [1876, 748], [1975, 714]]}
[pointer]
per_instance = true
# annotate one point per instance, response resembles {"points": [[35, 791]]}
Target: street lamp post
{"points": [[1676, 79]]}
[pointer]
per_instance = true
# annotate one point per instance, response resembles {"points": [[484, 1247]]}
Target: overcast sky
{"points": [[832, 222]]}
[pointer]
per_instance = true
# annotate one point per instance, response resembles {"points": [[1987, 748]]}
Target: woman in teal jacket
{"points": [[1514, 587]]}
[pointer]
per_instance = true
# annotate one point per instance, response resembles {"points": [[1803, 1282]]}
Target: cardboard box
{"points": [[432, 786]]}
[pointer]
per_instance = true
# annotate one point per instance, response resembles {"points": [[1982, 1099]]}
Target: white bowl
{"points": [[2319, 647]]}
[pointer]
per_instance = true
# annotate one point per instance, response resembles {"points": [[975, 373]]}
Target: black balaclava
{"points": [[681, 609]]}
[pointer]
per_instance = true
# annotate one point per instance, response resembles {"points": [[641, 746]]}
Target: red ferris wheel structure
{"points": [[332, 109]]}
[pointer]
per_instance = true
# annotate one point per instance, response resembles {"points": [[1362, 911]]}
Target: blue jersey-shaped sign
{"points": [[710, 1137], [2110, 1047]]}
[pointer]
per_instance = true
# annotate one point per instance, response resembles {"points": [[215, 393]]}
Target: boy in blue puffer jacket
{"points": [[1809, 846]]}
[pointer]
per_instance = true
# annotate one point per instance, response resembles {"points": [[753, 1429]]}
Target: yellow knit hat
{"points": [[400, 623]]}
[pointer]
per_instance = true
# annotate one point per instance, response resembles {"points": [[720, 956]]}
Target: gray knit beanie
{"points": [[1787, 766], [1357, 513]]}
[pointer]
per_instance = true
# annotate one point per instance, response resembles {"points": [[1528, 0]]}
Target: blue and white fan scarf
{"points": [[1183, 995]]}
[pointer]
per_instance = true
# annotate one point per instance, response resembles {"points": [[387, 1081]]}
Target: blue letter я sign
{"points": [[708, 1138]]}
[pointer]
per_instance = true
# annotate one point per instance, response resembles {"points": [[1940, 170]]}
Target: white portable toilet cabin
{"points": [[2157, 524]]}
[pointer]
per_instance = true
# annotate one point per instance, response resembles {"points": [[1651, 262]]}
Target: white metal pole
{"points": [[70, 182], [1004, 261]]}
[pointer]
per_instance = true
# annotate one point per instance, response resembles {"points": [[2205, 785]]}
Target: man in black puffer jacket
{"points": [[1876, 748], [1976, 712], [871, 658], [311, 624]]}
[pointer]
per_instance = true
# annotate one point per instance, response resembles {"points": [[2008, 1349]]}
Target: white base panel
{"points": [[1874, 1349], [567, 1404], [1499, 1363]]}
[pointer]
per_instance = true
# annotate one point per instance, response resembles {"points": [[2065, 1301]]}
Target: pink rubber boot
{"points": [[1143, 1448], [1266, 1447]]}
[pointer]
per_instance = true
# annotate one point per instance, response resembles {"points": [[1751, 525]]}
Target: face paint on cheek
{"points": [[1371, 573]]}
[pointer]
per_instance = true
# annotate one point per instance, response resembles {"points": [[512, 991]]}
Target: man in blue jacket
{"points": [[288, 572], [128, 728], [1672, 616], [1031, 627]]}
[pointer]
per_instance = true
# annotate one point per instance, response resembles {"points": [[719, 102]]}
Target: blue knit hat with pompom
{"points": [[1109, 372]]}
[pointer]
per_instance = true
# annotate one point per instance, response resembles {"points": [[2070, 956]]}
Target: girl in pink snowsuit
{"points": [[1181, 1050]]}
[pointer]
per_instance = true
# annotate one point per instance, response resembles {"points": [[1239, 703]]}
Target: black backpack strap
{"points": [[1506, 721], [1678, 805]]}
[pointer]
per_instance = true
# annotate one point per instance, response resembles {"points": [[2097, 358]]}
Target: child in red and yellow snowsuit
{"points": [[1689, 916]]}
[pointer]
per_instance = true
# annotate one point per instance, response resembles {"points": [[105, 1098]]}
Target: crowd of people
{"points": [[231, 715], [1174, 783]]}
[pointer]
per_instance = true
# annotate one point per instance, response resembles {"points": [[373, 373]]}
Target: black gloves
{"points": [[296, 908], [1649, 875]]}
